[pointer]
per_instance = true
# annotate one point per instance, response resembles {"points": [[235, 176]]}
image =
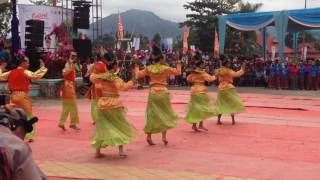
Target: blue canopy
{"points": [[284, 21]]}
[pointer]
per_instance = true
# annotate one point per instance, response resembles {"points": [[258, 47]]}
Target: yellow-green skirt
{"points": [[112, 129], [94, 109], [200, 108], [228, 102], [159, 115]]}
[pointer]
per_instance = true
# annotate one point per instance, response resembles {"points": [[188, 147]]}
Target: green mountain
{"points": [[141, 22]]}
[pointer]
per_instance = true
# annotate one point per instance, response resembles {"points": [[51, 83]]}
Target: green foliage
{"points": [[5, 17], [203, 21]]}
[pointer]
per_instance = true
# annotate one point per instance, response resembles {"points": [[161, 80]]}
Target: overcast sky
{"points": [[173, 10]]}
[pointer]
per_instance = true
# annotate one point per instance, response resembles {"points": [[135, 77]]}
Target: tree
{"points": [[5, 16], [157, 39], [203, 21]]}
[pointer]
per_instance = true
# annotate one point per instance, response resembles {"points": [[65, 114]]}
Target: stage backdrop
{"points": [[52, 16]]}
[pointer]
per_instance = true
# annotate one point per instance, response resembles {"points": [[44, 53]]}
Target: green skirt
{"points": [[199, 108], [228, 102], [160, 116], [112, 129], [94, 109]]}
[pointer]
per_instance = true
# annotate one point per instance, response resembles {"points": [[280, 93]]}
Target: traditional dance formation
{"points": [[112, 128]]}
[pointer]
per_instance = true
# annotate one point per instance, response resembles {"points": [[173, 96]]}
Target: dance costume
{"points": [[69, 97], [200, 106], [112, 127], [228, 102], [19, 85], [159, 114]]}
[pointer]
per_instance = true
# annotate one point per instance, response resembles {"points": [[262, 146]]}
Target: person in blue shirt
{"points": [[314, 76], [285, 76], [272, 74], [302, 71]]}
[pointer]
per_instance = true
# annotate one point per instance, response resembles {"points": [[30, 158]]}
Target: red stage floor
{"points": [[278, 137]]}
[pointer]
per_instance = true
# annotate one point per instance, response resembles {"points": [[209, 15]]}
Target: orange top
{"points": [[19, 78], [98, 68], [69, 72], [111, 84], [158, 74], [225, 77], [198, 79]]}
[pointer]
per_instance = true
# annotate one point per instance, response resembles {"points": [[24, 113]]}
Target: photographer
{"points": [[16, 162]]}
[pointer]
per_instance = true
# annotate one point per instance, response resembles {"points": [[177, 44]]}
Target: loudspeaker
{"points": [[34, 55], [81, 15], [34, 33], [83, 48]]}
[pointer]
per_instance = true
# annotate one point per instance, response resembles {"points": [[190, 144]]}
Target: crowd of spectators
{"points": [[274, 74]]}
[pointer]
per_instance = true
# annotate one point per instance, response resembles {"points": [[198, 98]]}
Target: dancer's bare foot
{"points": [[123, 155], [203, 128], [99, 155], [219, 122], [233, 122], [150, 142], [62, 127], [165, 141], [74, 127], [194, 127]]}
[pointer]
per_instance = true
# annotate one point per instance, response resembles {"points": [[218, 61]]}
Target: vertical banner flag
{"points": [[273, 50], [136, 43], [186, 32], [305, 52], [120, 28], [216, 45]]}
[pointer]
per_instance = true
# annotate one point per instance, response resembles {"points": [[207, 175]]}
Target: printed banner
{"points": [[52, 17]]}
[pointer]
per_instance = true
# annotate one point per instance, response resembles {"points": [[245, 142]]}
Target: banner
{"points": [[120, 28], [136, 43], [52, 17], [186, 32], [216, 45], [273, 50]]}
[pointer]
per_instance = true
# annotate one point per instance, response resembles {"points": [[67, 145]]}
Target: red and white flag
{"points": [[120, 28], [216, 45], [186, 32]]}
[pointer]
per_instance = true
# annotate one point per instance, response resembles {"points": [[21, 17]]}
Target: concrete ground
{"points": [[276, 138]]}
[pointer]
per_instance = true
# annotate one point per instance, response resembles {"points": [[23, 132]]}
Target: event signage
{"points": [[52, 16]]}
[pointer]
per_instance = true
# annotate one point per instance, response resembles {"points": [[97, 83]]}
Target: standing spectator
{"points": [[302, 72], [294, 76], [285, 76], [278, 75], [314, 76], [272, 78], [307, 79], [266, 74], [78, 68]]}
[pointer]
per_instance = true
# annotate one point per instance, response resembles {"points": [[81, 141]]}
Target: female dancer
{"points": [[228, 102], [200, 107], [112, 127], [159, 113]]}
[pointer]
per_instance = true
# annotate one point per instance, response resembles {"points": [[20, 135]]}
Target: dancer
{"points": [[200, 106], [159, 114], [19, 85], [112, 127], [228, 102], [95, 90], [69, 103]]}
